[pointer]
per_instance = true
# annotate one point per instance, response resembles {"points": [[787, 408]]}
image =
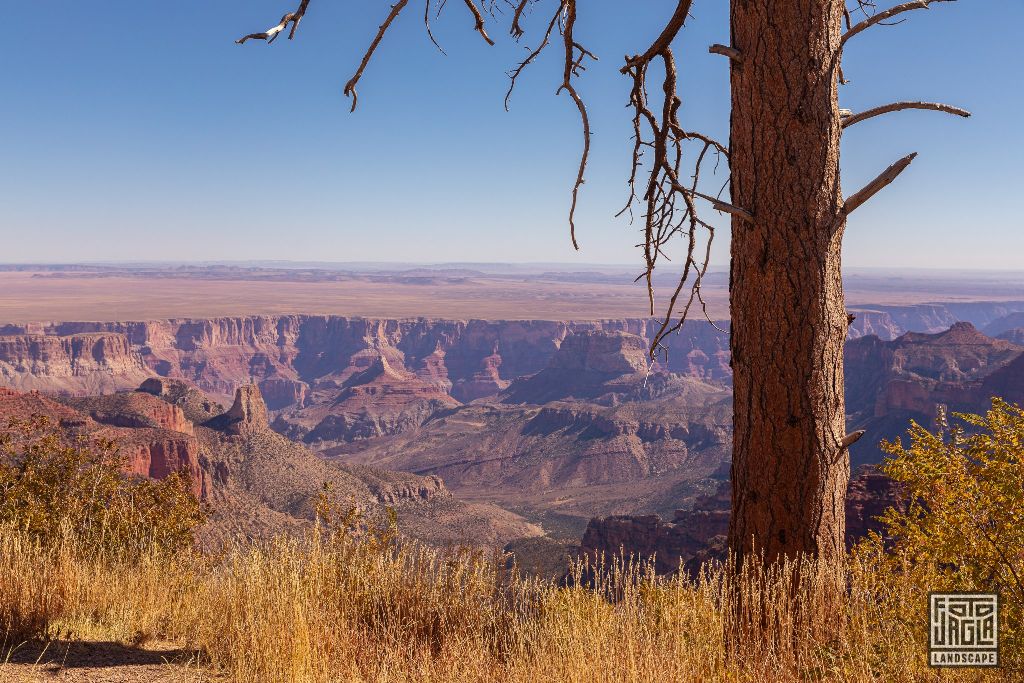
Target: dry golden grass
{"points": [[333, 608]]}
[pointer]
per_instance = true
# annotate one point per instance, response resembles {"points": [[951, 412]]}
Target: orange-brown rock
{"points": [[246, 415], [871, 492], [375, 396], [134, 409], [78, 364], [148, 450], [890, 383], [290, 356]]}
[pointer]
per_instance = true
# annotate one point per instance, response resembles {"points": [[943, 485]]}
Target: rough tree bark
{"points": [[789, 322]]}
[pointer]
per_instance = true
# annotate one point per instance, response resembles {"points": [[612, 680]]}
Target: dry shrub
{"points": [[52, 482]]}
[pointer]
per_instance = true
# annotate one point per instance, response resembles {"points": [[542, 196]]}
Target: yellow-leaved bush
{"points": [[960, 523], [53, 484]]}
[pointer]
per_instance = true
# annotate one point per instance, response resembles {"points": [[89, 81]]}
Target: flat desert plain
{"points": [[28, 296]]}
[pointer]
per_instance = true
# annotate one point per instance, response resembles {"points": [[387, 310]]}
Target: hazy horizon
{"points": [[363, 264]]}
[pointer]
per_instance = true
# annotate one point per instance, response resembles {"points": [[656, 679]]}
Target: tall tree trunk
{"points": [[789, 322]]}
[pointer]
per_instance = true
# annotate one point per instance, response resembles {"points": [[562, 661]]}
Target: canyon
{"points": [[256, 483], [542, 427]]}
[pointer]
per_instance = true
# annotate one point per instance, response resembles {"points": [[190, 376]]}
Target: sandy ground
{"points": [[101, 662]]}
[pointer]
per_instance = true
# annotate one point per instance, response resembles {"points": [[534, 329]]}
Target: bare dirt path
{"points": [[101, 662]]}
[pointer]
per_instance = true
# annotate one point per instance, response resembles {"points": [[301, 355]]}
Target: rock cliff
{"points": [[148, 449], [80, 364], [256, 482], [287, 356], [890, 383]]}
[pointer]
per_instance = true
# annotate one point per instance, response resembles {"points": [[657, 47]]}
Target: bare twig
{"points": [[666, 37], [887, 14], [270, 35], [517, 29], [899, 106], [872, 188], [572, 66], [350, 86], [430, 34], [670, 201], [515, 73]]}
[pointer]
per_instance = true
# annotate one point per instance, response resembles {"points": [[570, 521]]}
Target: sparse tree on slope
{"points": [[788, 212]]}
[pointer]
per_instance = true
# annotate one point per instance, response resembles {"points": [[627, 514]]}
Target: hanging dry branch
{"points": [[670, 209], [573, 66], [350, 86], [872, 188], [899, 106]]}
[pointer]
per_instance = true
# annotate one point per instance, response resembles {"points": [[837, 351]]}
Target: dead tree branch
{"points": [[730, 52], [899, 106], [573, 66], [851, 438], [887, 14], [270, 35], [479, 19], [671, 189], [350, 86], [515, 73], [872, 188], [662, 151]]}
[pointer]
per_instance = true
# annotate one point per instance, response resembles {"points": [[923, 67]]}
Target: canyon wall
{"points": [[290, 356]]}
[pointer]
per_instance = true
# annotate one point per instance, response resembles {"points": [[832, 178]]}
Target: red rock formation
{"points": [[485, 382], [196, 406], [612, 353], [870, 493], [374, 396], [890, 383], [1014, 336], [585, 367], [1004, 324], [134, 409], [157, 454], [148, 451], [73, 365], [247, 415], [284, 354]]}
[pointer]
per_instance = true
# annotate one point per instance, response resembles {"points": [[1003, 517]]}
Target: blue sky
{"points": [[139, 130]]}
